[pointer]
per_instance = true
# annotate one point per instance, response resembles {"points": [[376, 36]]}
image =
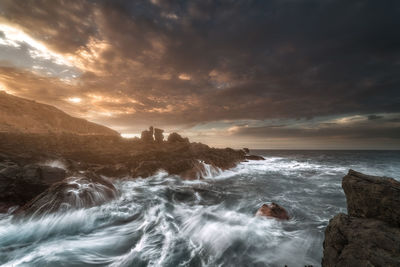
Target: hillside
{"points": [[19, 115]]}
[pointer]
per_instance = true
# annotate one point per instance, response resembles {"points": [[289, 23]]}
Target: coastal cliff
{"points": [[369, 235]]}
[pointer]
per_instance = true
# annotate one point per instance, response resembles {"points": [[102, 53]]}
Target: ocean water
{"points": [[165, 221]]}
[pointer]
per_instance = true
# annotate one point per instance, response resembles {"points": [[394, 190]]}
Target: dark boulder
{"points": [[78, 191], [20, 184], [370, 234], [254, 157], [351, 241], [274, 211], [246, 150], [372, 197]]}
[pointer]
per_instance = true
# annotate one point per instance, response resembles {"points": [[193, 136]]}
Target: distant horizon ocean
{"points": [[165, 221]]}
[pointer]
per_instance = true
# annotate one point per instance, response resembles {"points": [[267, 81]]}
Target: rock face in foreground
{"points": [[20, 184], [78, 191], [370, 234]]}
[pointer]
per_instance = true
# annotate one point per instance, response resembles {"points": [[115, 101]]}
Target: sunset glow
{"points": [[194, 68]]}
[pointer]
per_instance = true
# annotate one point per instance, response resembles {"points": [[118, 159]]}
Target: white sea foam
{"points": [[166, 221]]}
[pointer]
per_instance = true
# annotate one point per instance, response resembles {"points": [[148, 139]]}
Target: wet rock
{"points": [[370, 234], [146, 168], [112, 171], [273, 210], [158, 135], [351, 241], [78, 191], [372, 197], [20, 184], [254, 157]]}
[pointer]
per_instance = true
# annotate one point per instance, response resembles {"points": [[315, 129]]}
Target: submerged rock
{"points": [[274, 211], [370, 234], [254, 157], [78, 191]]}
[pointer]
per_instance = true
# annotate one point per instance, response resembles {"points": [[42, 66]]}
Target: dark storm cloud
{"points": [[197, 61]]}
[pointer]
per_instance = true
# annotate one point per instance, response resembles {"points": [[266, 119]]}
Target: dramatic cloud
{"points": [[183, 64]]}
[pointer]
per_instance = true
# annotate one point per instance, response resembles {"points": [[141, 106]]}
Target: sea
{"points": [[166, 221]]}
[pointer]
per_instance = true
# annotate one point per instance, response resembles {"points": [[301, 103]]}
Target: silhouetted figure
{"points": [[158, 135], [147, 135]]}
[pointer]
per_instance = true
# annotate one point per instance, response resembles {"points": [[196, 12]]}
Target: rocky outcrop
{"points": [[147, 135], [273, 211], [158, 135], [78, 191], [372, 197], [370, 234], [20, 184], [254, 157], [177, 138]]}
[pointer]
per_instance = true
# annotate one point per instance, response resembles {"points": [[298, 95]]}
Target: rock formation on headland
{"points": [[369, 235], [32, 134]]}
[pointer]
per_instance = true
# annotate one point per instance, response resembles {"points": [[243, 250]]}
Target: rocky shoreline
{"points": [[36, 169], [369, 235]]}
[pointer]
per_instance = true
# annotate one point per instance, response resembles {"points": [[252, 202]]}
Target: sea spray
{"points": [[166, 221]]}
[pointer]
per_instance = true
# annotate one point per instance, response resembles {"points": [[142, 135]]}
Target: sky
{"points": [[287, 74]]}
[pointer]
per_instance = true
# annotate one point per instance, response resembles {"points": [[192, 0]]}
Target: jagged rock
{"points": [[372, 197], [246, 150], [147, 168], [78, 191], [370, 234], [177, 138], [158, 135], [147, 135], [351, 241], [20, 184], [254, 157], [274, 211]]}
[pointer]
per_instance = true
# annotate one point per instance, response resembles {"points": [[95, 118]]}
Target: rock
{"points": [[246, 150], [372, 197], [370, 234], [20, 184], [78, 191], [273, 210], [254, 157], [351, 241], [176, 138], [146, 168], [147, 135], [158, 135], [112, 171]]}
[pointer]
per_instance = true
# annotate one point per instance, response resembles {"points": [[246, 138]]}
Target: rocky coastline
{"points": [[66, 169], [369, 235]]}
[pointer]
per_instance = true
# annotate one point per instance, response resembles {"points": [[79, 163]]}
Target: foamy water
{"points": [[165, 221]]}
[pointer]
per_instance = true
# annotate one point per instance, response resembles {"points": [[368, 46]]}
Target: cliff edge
{"points": [[20, 115], [369, 235]]}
